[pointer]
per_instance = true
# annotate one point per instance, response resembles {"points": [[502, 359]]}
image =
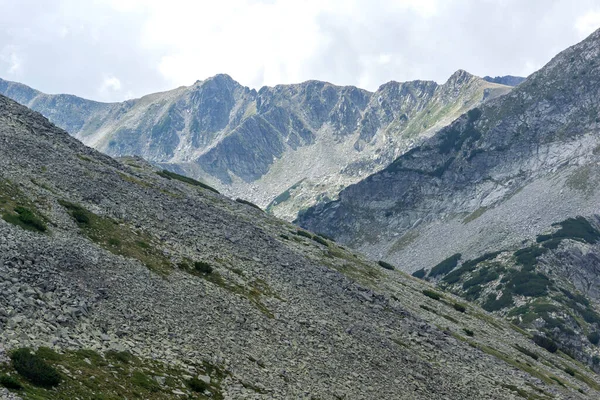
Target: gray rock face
{"points": [[313, 136], [283, 315], [498, 175]]}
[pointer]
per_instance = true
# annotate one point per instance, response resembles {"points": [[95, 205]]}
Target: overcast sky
{"points": [[111, 50]]}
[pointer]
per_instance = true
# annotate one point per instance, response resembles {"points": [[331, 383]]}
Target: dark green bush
{"points": [[26, 219], [590, 316], [197, 385], [460, 307], [546, 343], [142, 380], [594, 337], [385, 265], [172, 175], [10, 382], [306, 234], [420, 273], [34, 368], [248, 203], [574, 228], [530, 284], [121, 356], [445, 266], [320, 240], [526, 352], [570, 371], [431, 294], [80, 214], [493, 304], [527, 257], [484, 276], [469, 332], [324, 236], [203, 267]]}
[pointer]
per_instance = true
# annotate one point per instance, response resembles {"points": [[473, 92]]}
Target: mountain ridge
{"points": [[490, 155], [242, 140]]}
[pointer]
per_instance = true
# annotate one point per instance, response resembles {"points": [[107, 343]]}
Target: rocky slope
{"points": [[549, 286], [498, 175], [507, 80], [285, 147], [134, 283]]}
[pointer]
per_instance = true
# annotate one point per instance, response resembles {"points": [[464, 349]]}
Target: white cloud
{"points": [[111, 86], [13, 63], [153, 45], [588, 23]]}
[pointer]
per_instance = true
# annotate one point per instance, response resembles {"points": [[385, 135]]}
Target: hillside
{"points": [[285, 147], [498, 175], [130, 282]]}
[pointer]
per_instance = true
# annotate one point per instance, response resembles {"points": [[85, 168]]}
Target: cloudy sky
{"points": [[111, 50]]}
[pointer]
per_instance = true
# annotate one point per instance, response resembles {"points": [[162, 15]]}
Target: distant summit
{"points": [[507, 80]]}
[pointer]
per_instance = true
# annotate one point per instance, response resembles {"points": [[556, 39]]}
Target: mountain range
{"points": [[461, 258], [285, 148]]}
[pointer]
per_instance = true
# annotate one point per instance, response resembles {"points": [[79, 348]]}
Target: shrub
{"points": [[484, 276], [10, 382], [248, 203], [420, 273], [197, 385], [445, 266], [526, 352], [546, 343], [469, 332], [172, 175], [26, 219], [459, 307], [80, 214], [203, 267], [570, 371], [528, 257], [324, 236], [121, 356], [529, 284], [574, 228], [34, 368], [594, 337], [300, 232], [320, 240], [431, 294], [493, 304], [385, 265], [144, 381]]}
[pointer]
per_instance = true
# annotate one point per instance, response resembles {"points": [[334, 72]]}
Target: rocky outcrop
{"points": [[314, 136], [106, 262]]}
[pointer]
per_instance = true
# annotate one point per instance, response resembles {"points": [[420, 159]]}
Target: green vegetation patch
{"points": [[86, 374], [445, 266], [578, 229], [545, 343], [420, 273], [172, 175], [34, 368], [528, 256], [25, 218], [432, 294], [16, 209], [386, 265], [118, 238], [248, 203]]}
